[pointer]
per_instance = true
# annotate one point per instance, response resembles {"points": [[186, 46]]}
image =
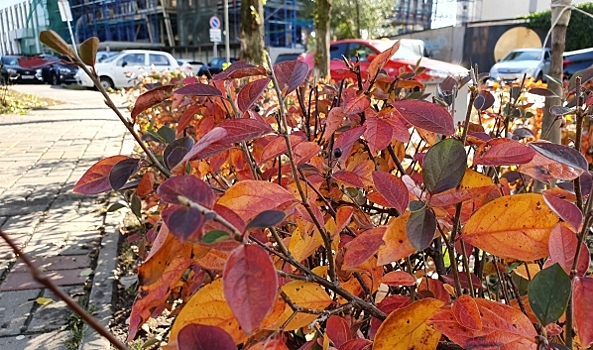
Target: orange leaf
{"points": [[466, 312], [406, 328], [268, 345], [250, 197], [305, 294], [516, 226], [361, 248], [503, 327], [397, 246], [146, 185], [96, 179], [398, 278], [582, 294]]}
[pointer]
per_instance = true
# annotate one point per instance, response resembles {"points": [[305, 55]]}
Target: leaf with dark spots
{"points": [[542, 92], [183, 222], [420, 228], [188, 186], [290, 74], [561, 154], [249, 282], [150, 99], [426, 115], [198, 89], [444, 166], [503, 152], [176, 150], [266, 218], [202, 337], [121, 172], [96, 179], [238, 70], [250, 93]]}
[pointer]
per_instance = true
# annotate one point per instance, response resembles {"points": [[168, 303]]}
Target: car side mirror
{"points": [[124, 63], [371, 57]]}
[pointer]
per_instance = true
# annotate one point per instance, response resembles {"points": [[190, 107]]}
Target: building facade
{"points": [[18, 21]]}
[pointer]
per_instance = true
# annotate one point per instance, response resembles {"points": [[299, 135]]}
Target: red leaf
{"points": [[250, 93], [387, 305], [398, 278], [566, 210], [545, 169], [431, 288], [183, 222], [201, 337], [379, 61], [187, 117], [337, 330], [361, 248], [447, 198], [250, 282], [562, 245], [357, 104], [503, 152], [96, 179], [582, 294], [239, 69], [290, 74], [349, 177], [198, 89], [466, 312], [333, 120], [343, 216], [239, 130], [202, 145], [401, 131], [426, 115], [378, 134], [277, 146], [346, 140], [150, 99], [305, 151], [356, 344], [476, 283], [393, 190], [188, 186], [146, 185]]}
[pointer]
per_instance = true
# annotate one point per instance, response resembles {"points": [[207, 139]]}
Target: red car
{"points": [[367, 50]]}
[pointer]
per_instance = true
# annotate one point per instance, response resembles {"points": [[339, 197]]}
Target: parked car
{"points": [[367, 50], [574, 61], [283, 57], [215, 66], [102, 55], [532, 62], [190, 66], [58, 70], [117, 71], [13, 72]]}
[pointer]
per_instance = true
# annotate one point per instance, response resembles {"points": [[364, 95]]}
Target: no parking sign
{"points": [[214, 22]]}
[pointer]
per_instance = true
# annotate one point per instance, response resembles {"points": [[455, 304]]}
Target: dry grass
{"points": [[13, 102]]}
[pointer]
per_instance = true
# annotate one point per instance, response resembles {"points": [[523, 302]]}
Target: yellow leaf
{"points": [[473, 179], [301, 245], [521, 270], [44, 301], [305, 294], [516, 226], [406, 328], [397, 246], [209, 307]]}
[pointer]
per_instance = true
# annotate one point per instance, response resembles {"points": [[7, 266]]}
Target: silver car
{"points": [[532, 62]]}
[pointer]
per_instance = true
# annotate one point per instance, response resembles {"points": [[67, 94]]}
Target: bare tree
{"points": [[322, 38], [560, 19], [252, 31]]}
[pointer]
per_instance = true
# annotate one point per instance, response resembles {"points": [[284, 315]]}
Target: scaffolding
{"points": [[281, 23]]}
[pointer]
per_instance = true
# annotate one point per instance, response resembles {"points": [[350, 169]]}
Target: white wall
{"points": [[13, 24], [487, 10]]}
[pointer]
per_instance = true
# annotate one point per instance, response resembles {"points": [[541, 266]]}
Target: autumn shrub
{"points": [[286, 214]]}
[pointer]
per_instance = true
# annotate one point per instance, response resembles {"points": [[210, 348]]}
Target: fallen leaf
{"points": [[44, 301]]}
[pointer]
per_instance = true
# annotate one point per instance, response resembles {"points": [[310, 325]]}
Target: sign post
{"points": [[215, 33], [66, 14]]}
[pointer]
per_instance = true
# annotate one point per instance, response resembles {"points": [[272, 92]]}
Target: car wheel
{"points": [[55, 80], [106, 83]]}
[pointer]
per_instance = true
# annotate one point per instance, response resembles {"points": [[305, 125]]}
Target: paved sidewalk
{"points": [[42, 155]]}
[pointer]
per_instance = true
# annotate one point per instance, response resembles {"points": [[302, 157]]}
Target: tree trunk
{"points": [[252, 31], [322, 38], [550, 126]]}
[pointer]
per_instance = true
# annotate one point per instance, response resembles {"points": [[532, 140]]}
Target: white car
{"points": [[190, 67], [532, 62], [115, 71]]}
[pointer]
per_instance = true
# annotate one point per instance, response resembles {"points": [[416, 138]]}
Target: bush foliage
{"points": [[285, 214]]}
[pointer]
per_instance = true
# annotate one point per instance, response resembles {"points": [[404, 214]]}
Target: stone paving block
{"points": [[23, 224], [55, 263], [46, 341], [51, 316], [6, 251], [20, 207], [24, 280], [81, 245], [15, 307]]}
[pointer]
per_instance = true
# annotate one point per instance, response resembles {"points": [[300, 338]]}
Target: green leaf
{"points": [[136, 205], [53, 40], [548, 293], [215, 236], [88, 51], [115, 206], [444, 166], [167, 134], [420, 228]]}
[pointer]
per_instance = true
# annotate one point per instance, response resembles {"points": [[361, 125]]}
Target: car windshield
{"points": [[110, 58], [531, 55], [401, 54], [10, 61]]}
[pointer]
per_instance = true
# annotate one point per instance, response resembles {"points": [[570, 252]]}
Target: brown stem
{"points": [[73, 305]]}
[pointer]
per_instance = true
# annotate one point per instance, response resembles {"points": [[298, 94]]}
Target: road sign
{"points": [[214, 22], [215, 35], [65, 13]]}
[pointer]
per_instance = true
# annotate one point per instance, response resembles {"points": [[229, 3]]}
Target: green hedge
{"points": [[579, 34]]}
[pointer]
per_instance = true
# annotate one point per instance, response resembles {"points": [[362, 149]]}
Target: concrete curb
{"points": [[102, 290]]}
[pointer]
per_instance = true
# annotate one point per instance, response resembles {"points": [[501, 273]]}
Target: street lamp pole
{"points": [[227, 32]]}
